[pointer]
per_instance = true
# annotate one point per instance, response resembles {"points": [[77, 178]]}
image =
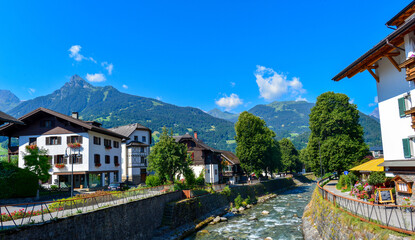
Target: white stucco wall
{"points": [[100, 149], [212, 173]]}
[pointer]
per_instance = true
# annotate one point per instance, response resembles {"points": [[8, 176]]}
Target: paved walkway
{"points": [[388, 215]]}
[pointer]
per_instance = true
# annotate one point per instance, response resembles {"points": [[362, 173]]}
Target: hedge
{"points": [[17, 182]]}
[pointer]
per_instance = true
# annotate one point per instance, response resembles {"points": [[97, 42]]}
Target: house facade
{"points": [[204, 158], [135, 149], [93, 152], [231, 167], [391, 63]]}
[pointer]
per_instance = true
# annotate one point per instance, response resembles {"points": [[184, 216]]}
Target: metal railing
{"points": [[393, 217], [16, 215]]}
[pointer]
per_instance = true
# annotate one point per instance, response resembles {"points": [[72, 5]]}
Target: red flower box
{"points": [[97, 164], [117, 164], [108, 147], [59, 165], [31, 147], [74, 145]]}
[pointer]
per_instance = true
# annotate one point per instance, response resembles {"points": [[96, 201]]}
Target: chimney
{"points": [[75, 115], [195, 134]]}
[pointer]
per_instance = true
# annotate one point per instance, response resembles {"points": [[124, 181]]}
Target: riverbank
{"points": [[277, 186], [322, 220]]}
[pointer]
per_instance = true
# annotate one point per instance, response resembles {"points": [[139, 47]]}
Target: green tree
{"points": [[168, 158], [256, 147], [336, 132], [289, 156], [36, 161], [304, 159]]}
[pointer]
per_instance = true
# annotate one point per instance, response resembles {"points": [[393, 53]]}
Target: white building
{"points": [[135, 149], [391, 63], [94, 151]]}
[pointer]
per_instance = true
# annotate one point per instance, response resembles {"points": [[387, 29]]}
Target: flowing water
{"points": [[283, 221]]}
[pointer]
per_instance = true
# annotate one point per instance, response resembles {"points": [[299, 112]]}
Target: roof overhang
{"points": [[399, 163], [383, 49], [400, 18]]}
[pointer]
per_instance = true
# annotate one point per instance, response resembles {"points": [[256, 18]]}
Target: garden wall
{"points": [[188, 210], [133, 220]]}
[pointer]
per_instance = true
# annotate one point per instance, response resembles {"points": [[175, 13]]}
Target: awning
{"points": [[371, 166], [399, 163]]}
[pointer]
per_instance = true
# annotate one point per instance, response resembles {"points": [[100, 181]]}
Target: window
{"points": [[75, 159], [404, 104], [407, 147], [107, 159], [403, 187], [136, 138], [107, 143], [116, 144], [74, 139], [116, 161], [46, 123], [216, 171], [142, 149], [143, 160], [143, 139], [32, 141], [59, 159], [97, 140], [97, 159], [53, 140]]}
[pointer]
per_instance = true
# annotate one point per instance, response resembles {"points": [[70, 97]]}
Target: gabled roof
{"points": [[402, 178], [198, 142], [70, 119], [399, 18], [127, 130], [230, 156], [5, 118]]}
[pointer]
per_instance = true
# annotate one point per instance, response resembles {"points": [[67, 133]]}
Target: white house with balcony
{"points": [[135, 149], [93, 152], [391, 63]]}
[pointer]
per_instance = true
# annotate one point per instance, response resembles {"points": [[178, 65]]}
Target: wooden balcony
{"points": [[409, 65], [412, 113]]}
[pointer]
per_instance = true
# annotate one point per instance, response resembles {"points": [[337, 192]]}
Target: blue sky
{"points": [[234, 54]]}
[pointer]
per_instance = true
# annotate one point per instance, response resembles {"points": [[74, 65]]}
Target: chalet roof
{"points": [[230, 156], [383, 49], [399, 18], [199, 142], [404, 178], [5, 118], [70, 119], [137, 144]]}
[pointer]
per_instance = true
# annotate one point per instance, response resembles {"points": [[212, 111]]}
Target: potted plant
{"points": [[60, 165], [108, 147], [74, 145], [97, 164]]}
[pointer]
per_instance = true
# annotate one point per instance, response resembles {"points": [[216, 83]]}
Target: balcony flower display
{"points": [[108, 147], [117, 164], [31, 147], [97, 164], [74, 145], [59, 165]]}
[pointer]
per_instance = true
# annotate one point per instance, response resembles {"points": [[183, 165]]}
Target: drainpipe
{"points": [[396, 47]]}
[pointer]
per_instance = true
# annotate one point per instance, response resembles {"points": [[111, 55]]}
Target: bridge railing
{"points": [[16, 215], [393, 217]]}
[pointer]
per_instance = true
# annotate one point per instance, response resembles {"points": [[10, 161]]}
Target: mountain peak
{"points": [[76, 81]]}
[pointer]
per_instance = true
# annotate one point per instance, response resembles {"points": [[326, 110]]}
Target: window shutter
{"points": [[68, 139], [402, 107], [406, 148], [55, 159], [80, 139], [47, 141], [59, 140], [80, 159]]}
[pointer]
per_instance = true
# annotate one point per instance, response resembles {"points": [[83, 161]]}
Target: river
{"points": [[283, 221]]}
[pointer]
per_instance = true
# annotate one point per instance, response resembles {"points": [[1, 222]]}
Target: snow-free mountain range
{"points": [[113, 108]]}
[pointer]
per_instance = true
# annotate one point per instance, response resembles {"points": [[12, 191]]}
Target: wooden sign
{"points": [[384, 195]]}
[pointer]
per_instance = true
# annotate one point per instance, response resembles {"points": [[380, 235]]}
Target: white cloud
{"points": [[229, 102], [299, 98], [125, 86], [375, 102], [31, 91], [108, 66], [351, 101], [233, 84], [97, 77], [273, 85], [74, 53], [158, 98]]}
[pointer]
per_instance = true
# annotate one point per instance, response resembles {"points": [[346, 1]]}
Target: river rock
{"points": [[231, 238], [216, 220], [283, 216], [295, 215], [268, 238], [253, 218], [248, 206], [234, 210], [241, 209], [223, 219], [203, 232], [265, 212]]}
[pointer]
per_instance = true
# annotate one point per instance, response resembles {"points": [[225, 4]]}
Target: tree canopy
{"points": [[335, 130], [168, 158], [289, 156], [256, 147], [36, 161]]}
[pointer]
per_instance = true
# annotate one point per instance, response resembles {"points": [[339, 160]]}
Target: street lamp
{"points": [[70, 157]]}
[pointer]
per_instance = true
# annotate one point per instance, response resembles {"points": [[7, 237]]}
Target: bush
{"points": [[54, 187], [238, 201], [17, 182], [353, 178], [226, 191], [376, 178], [153, 181], [190, 178], [344, 180], [200, 181]]}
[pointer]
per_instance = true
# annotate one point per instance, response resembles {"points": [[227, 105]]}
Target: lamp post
{"points": [[70, 157]]}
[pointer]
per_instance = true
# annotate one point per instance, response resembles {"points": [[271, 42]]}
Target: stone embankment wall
{"points": [[132, 220], [189, 210], [322, 220]]}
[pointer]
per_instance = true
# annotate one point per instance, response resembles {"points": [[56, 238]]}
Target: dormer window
{"points": [[46, 123]]}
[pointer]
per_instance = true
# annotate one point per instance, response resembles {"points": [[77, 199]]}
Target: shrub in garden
{"points": [[376, 178], [200, 181], [153, 181], [238, 201], [17, 182]]}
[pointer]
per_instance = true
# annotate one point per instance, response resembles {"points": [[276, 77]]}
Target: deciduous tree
{"points": [[289, 156]]}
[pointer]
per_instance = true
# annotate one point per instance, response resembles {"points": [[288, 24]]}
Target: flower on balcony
{"points": [[31, 147], [97, 164], [59, 165], [117, 164], [411, 55], [74, 145], [108, 147]]}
